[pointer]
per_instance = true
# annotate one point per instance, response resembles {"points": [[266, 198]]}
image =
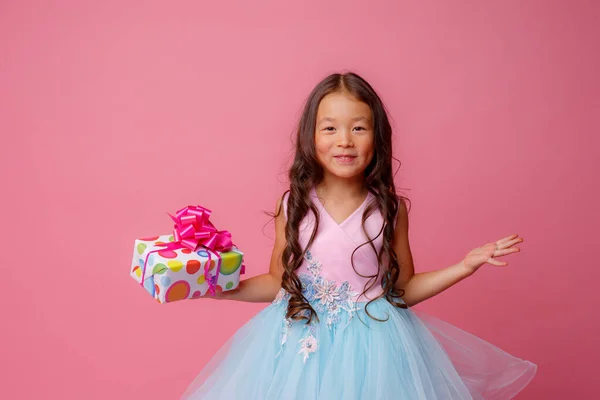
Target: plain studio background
{"points": [[114, 113]]}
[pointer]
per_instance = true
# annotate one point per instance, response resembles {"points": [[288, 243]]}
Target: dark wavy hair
{"points": [[306, 172]]}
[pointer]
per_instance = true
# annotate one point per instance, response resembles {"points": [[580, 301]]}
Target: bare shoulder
{"points": [[402, 216], [280, 206], [276, 267], [402, 245]]}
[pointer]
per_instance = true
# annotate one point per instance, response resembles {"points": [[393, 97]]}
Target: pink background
{"points": [[114, 113]]}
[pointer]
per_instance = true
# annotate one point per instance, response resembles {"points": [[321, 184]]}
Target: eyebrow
{"points": [[361, 118]]}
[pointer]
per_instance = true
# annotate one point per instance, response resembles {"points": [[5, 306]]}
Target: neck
{"points": [[336, 187]]}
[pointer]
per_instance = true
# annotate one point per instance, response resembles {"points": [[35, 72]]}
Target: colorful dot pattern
{"points": [[173, 275]]}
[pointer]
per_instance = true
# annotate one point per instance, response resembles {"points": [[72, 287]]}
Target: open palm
{"points": [[490, 251]]}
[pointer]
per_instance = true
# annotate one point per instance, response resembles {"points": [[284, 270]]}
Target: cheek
{"points": [[367, 148], [322, 146]]}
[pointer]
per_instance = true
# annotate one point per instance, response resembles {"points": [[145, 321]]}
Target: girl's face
{"points": [[344, 137]]}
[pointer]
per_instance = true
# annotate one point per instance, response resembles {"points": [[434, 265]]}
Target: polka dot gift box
{"points": [[195, 260]]}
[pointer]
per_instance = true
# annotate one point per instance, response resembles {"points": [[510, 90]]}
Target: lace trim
{"points": [[325, 297]]}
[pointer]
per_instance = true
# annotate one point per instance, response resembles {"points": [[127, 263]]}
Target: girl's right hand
{"points": [[219, 295]]}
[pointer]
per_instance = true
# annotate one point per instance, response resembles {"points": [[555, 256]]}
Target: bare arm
{"points": [[262, 288], [424, 285]]}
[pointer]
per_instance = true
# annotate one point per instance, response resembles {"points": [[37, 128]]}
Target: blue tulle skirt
{"points": [[348, 355]]}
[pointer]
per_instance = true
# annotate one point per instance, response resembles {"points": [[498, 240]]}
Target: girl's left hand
{"points": [[487, 253]]}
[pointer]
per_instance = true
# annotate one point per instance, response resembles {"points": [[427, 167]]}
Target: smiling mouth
{"points": [[345, 159]]}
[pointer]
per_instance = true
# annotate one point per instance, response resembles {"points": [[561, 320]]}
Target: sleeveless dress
{"points": [[347, 354]]}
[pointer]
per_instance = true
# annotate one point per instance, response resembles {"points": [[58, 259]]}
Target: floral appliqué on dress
{"points": [[325, 297]]}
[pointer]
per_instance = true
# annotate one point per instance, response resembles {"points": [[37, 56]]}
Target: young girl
{"points": [[341, 281]]}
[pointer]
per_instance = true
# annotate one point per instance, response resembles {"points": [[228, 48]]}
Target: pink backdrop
{"points": [[114, 113]]}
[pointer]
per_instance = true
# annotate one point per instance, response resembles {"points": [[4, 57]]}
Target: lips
{"points": [[345, 158]]}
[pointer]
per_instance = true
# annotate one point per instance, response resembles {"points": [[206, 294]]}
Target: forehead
{"points": [[342, 107]]}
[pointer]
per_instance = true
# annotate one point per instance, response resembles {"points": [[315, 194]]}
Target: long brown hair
{"points": [[306, 172]]}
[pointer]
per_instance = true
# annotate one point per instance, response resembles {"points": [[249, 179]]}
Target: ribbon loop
{"points": [[192, 230]]}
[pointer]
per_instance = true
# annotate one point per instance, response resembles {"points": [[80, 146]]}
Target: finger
{"points": [[507, 239], [510, 243], [498, 263], [503, 252]]}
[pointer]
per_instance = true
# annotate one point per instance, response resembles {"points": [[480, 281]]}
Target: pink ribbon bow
{"points": [[193, 229]]}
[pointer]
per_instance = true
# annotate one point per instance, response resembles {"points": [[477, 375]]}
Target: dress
{"points": [[347, 354]]}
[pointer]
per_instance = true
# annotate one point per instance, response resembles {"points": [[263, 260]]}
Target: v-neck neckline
{"points": [[322, 206]]}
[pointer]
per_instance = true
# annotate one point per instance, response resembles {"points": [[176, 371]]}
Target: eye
{"points": [[360, 127], [329, 128]]}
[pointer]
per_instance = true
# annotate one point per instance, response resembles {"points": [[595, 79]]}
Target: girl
{"points": [[341, 281]]}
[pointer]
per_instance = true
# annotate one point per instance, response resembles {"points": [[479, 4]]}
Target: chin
{"points": [[346, 174]]}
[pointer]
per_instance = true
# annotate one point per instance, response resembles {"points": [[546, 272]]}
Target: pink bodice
{"points": [[334, 243]]}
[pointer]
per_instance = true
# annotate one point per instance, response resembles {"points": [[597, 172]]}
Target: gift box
{"points": [[196, 259]]}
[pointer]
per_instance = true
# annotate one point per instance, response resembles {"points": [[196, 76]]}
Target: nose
{"points": [[345, 139]]}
